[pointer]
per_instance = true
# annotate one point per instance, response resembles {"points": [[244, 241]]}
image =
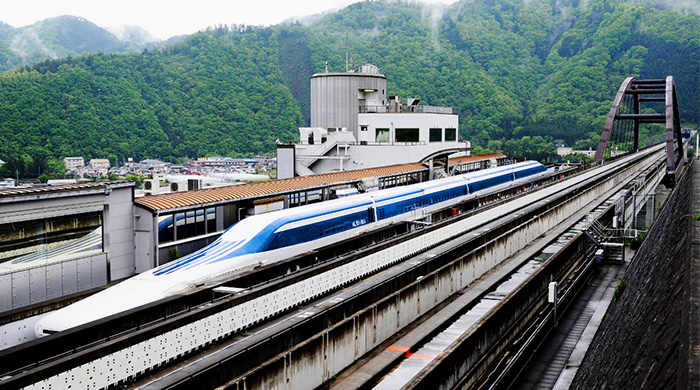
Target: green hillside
{"points": [[521, 74]]}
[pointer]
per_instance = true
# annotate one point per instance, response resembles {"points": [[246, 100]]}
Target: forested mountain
{"points": [[520, 73], [53, 38]]}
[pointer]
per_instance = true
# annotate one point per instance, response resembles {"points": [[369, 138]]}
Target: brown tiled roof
{"points": [[211, 196]]}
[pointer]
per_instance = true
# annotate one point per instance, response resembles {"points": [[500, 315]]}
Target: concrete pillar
{"points": [[156, 254], [634, 211], [646, 214], [105, 240]]}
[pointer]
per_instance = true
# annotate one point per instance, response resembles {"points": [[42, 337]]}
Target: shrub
{"points": [[619, 289]]}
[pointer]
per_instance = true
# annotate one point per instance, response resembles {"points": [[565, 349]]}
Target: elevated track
{"points": [[224, 337]]}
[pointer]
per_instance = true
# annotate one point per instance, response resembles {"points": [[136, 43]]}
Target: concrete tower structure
{"points": [[337, 98], [354, 125]]}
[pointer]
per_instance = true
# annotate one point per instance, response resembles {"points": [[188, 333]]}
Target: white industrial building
{"points": [[354, 126], [73, 163]]}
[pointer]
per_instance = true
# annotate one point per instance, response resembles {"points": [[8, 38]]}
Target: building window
{"points": [[211, 220], [166, 231], [189, 224], [407, 135], [450, 135], [382, 135], [435, 135]]}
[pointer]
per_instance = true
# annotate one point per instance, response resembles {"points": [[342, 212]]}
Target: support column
{"points": [[430, 169]]}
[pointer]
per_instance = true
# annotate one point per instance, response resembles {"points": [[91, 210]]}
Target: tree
{"points": [[138, 179], [509, 68], [55, 168]]}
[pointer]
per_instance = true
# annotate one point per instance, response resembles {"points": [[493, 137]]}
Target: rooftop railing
{"points": [[403, 109]]}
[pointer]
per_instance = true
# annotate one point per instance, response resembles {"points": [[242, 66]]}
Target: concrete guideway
{"points": [[328, 339], [461, 364], [211, 327], [373, 368], [148, 322]]}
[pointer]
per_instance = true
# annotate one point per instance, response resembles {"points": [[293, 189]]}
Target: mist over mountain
{"points": [[522, 75], [133, 35], [65, 36]]}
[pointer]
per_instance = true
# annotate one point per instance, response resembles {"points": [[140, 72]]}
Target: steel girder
{"points": [[641, 91]]}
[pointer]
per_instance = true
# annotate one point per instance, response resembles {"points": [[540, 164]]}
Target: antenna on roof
{"points": [[326, 66], [347, 52]]}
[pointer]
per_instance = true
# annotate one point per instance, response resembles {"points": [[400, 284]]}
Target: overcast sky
{"points": [[166, 18]]}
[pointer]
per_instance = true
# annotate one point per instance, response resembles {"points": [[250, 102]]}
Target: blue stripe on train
{"points": [[257, 244], [269, 238]]}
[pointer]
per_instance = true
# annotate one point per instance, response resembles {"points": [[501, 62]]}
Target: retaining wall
{"points": [[644, 340]]}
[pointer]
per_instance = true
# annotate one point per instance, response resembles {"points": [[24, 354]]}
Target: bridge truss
{"points": [[621, 131]]}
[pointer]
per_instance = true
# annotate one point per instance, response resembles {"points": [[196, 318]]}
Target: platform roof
{"points": [[208, 197]]}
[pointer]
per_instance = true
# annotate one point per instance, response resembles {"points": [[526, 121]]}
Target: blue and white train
{"points": [[267, 238]]}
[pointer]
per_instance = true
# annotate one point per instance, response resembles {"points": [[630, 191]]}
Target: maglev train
{"points": [[270, 237]]}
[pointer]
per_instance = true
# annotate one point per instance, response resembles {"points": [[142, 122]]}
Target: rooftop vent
{"points": [[369, 68]]}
